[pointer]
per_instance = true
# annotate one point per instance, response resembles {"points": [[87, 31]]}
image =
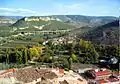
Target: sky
{"points": [[60, 7]]}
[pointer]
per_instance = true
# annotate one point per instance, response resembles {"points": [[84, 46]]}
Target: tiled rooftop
{"points": [[102, 72]]}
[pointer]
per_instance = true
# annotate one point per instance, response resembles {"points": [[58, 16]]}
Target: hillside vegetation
{"points": [[105, 34], [59, 40], [41, 25]]}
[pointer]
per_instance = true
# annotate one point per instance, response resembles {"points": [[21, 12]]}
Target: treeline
{"points": [[20, 54], [62, 55]]}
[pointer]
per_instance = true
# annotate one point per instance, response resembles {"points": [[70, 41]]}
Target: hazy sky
{"points": [[60, 7]]}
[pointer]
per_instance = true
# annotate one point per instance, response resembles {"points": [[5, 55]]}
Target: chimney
{"points": [[96, 70], [103, 69]]}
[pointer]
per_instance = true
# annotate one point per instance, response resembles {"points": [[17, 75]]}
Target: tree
{"points": [[74, 58], [7, 53], [25, 56], [21, 54], [118, 51], [48, 55], [70, 62], [95, 56], [88, 51], [65, 64], [35, 52]]}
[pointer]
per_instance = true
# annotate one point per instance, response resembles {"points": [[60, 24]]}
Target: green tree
{"points": [[19, 56], [74, 57], [118, 51], [25, 56], [70, 62], [88, 51], [48, 55], [7, 53], [65, 64], [35, 51]]}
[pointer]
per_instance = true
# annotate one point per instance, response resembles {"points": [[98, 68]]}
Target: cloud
{"points": [[68, 8], [82, 7], [16, 11]]}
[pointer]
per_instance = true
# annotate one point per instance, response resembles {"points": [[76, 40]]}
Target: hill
{"points": [[105, 34], [49, 27], [39, 24], [8, 20], [82, 20], [61, 22]]}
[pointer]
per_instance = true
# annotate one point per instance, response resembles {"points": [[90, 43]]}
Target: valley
{"points": [[65, 42]]}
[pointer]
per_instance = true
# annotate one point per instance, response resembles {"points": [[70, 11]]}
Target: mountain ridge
{"points": [[105, 34]]}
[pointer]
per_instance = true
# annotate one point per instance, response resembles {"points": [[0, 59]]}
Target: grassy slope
{"points": [[56, 25], [52, 25]]}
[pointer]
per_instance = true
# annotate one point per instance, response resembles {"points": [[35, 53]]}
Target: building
{"points": [[98, 74], [81, 68], [108, 81], [104, 76], [6, 72]]}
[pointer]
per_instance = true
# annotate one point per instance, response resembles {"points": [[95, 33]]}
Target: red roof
{"points": [[113, 79], [102, 81], [102, 73], [9, 70], [61, 71], [107, 80]]}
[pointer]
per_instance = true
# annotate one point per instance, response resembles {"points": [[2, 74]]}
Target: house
{"points": [[57, 71], [3, 74], [108, 81], [81, 68], [98, 74]]}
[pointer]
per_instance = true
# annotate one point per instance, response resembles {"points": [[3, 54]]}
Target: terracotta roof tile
{"points": [[102, 81], [113, 79], [102, 73]]}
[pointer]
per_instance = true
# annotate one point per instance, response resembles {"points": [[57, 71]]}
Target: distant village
{"points": [[44, 75]]}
